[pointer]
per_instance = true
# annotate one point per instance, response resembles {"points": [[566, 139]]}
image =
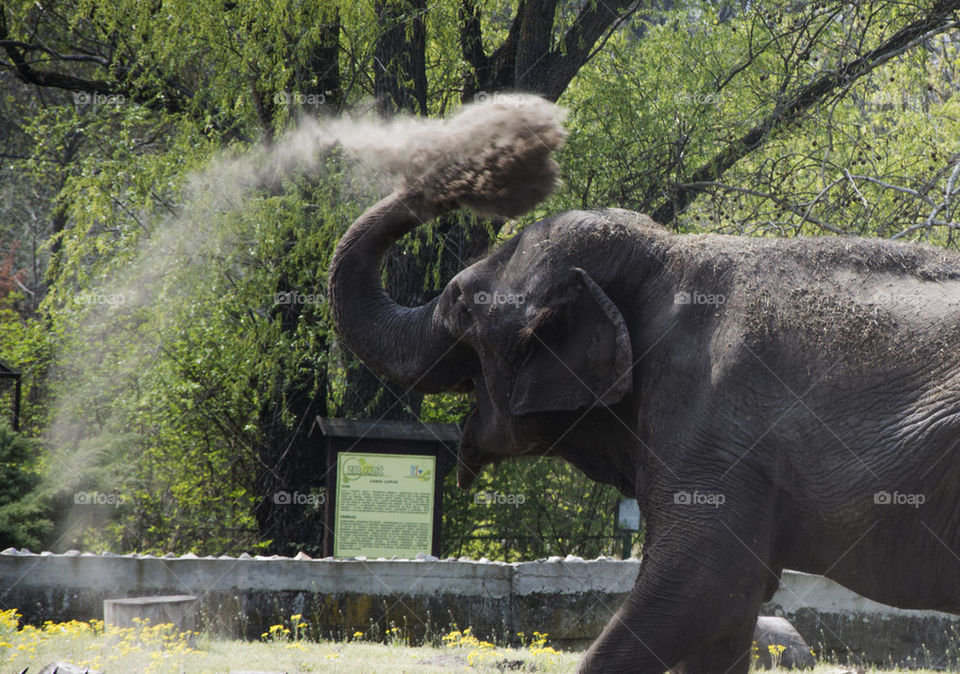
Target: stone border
{"points": [[569, 598], [843, 625]]}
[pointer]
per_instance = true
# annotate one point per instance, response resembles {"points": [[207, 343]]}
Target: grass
{"points": [[158, 648]]}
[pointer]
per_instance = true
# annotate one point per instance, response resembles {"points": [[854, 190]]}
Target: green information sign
{"points": [[384, 505]]}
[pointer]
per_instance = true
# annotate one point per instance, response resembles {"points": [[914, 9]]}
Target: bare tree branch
{"points": [[802, 209], [82, 58], [941, 18], [595, 20], [525, 59]]}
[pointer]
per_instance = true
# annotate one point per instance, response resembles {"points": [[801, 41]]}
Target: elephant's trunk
{"points": [[494, 159], [403, 343]]}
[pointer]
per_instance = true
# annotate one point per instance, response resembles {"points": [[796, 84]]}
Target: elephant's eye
{"points": [[461, 315]]}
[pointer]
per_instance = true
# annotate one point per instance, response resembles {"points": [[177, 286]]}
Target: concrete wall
{"points": [[842, 624], [570, 599]]}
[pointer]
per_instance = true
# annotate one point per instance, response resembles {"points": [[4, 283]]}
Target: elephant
{"points": [[770, 402]]}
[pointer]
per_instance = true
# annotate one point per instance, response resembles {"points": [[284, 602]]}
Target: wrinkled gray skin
{"points": [[758, 434]]}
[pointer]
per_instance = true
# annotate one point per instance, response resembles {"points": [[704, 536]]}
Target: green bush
{"points": [[23, 520]]}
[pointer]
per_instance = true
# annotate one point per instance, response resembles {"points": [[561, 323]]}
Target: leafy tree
{"points": [[168, 356], [826, 119], [23, 514], [525, 510]]}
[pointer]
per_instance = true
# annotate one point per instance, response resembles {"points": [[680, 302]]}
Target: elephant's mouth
{"points": [[470, 460]]}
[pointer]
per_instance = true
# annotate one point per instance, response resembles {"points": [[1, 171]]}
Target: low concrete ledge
{"points": [[569, 598], [225, 574], [841, 624]]}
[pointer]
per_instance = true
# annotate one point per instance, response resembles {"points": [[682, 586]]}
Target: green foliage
{"points": [[523, 509], [170, 321], [178, 342], [875, 159], [23, 512], [530, 509]]}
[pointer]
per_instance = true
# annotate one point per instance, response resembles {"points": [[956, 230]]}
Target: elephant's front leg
{"points": [[695, 603], [731, 654]]}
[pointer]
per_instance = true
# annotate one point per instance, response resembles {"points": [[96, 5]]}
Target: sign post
{"points": [[384, 484], [384, 505], [628, 523]]}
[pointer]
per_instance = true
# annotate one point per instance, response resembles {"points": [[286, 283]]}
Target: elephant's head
{"points": [[529, 337]]}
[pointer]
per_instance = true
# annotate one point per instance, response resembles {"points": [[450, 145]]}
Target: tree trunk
{"points": [[400, 61], [290, 460]]}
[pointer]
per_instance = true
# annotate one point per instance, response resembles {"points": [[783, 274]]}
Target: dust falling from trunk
{"points": [[95, 361]]}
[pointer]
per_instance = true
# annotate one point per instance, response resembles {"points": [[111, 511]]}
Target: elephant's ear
{"points": [[579, 353]]}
